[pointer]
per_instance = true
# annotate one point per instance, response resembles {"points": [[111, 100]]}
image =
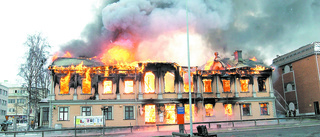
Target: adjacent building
{"points": [[3, 102], [86, 92], [297, 79], [18, 104]]}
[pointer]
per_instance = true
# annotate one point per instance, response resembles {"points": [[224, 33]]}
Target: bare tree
{"points": [[33, 71]]}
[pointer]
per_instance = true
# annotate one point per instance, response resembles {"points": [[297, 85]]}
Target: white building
{"points": [[3, 102]]}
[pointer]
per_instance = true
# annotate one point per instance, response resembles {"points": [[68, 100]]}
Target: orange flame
{"points": [[128, 86], [67, 55], [226, 85], [244, 85], [118, 55], [187, 112], [209, 109], [170, 113], [207, 85], [86, 83], [228, 109], [64, 84], [107, 86], [253, 59], [149, 82]]}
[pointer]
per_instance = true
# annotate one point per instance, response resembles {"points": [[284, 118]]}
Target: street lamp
{"points": [[104, 108]]}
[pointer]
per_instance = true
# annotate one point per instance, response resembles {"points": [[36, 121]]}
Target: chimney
{"points": [[238, 55]]}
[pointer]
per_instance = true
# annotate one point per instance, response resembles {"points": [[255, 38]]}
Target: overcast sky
{"points": [[260, 28], [59, 20]]}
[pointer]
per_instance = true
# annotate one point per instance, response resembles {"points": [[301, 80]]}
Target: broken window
{"points": [[264, 109], [228, 109], [246, 109], [169, 82], [150, 113], [86, 83], [226, 85], [262, 83], [128, 86], [209, 110], [107, 87], [186, 82], [64, 84], [207, 85], [187, 112], [244, 85], [170, 113], [149, 82]]}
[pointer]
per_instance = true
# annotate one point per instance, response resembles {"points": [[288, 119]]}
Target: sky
{"points": [[156, 30]]}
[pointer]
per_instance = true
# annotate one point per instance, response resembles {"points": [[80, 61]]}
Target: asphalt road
{"points": [[303, 131]]}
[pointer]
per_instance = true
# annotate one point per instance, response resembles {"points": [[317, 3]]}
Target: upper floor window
{"points": [[287, 68], [207, 85], [226, 85], [264, 109], [129, 112], [244, 85], [149, 82], [128, 86], [64, 84], [86, 111], [107, 87], [290, 87], [86, 83], [262, 83], [186, 82], [22, 101], [169, 83], [11, 101]]}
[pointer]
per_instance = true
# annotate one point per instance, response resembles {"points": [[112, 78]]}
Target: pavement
{"points": [[166, 131]]}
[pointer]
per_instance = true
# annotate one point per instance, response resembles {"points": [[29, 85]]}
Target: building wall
{"points": [[3, 102]]}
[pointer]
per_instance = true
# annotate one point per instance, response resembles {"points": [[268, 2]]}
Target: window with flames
{"points": [[264, 109], [150, 113], [209, 110], [128, 86], [187, 112], [207, 85], [186, 82], [86, 83], [107, 87], [226, 85], [169, 82], [170, 113], [149, 82], [64, 84], [244, 85], [228, 109]]}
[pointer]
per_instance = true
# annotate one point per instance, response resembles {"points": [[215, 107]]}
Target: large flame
{"points": [[118, 55], [64, 84], [228, 109], [253, 59], [244, 85], [150, 113], [86, 83]]}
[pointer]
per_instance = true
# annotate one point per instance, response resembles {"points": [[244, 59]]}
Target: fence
{"points": [[102, 129]]}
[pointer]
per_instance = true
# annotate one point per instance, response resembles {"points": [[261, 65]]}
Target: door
{"points": [[316, 107]]}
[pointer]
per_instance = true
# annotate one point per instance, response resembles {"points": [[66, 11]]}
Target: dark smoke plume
{"points": [[259, 28]]}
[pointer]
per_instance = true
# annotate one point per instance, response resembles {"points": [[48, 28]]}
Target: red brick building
{"points": [[297, 79]]}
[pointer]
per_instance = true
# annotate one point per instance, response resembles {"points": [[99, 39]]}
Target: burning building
{"points": [[146, 93], [297, 80]]}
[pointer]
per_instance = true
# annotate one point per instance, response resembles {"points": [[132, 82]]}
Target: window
{"points": [[169, 83], [86, 111], [108, 112], [246, 111], [63, 113], [0, 91], [128, 86], [209, 110], [15, 91], [86, 83], [262, 83], [170, 113], [45, 116], [187, 112], [186, 82], [244, 85], [11, 101], [129, 112], [107, 87], [149, 82], [207, 85], [64, 84], [226, 85], [11, 110], [22, 101], [150, 113], [264, 109], [228, 109]]}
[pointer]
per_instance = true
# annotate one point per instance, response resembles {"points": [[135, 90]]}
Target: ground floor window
{"points": [[187, 112], [170, 113], [228, 109], [209, 110], [264, 109], [108, 112], [86, 111], [246, 109], [129, 112], [63, 113], [150, 113]]}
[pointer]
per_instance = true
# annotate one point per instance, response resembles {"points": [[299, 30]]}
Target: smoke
{"points": [[157, 29]]}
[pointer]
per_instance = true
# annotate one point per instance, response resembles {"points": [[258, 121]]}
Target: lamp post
{"points": [[104, 118]]}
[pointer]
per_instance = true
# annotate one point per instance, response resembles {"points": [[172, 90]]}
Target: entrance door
{"points": [[316, 107]]}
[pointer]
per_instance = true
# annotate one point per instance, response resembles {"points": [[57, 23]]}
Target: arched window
{"points": [[149, 82], [169, 82]]}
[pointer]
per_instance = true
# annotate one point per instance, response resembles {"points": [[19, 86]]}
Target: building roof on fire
{"points": [[75, 61]]}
